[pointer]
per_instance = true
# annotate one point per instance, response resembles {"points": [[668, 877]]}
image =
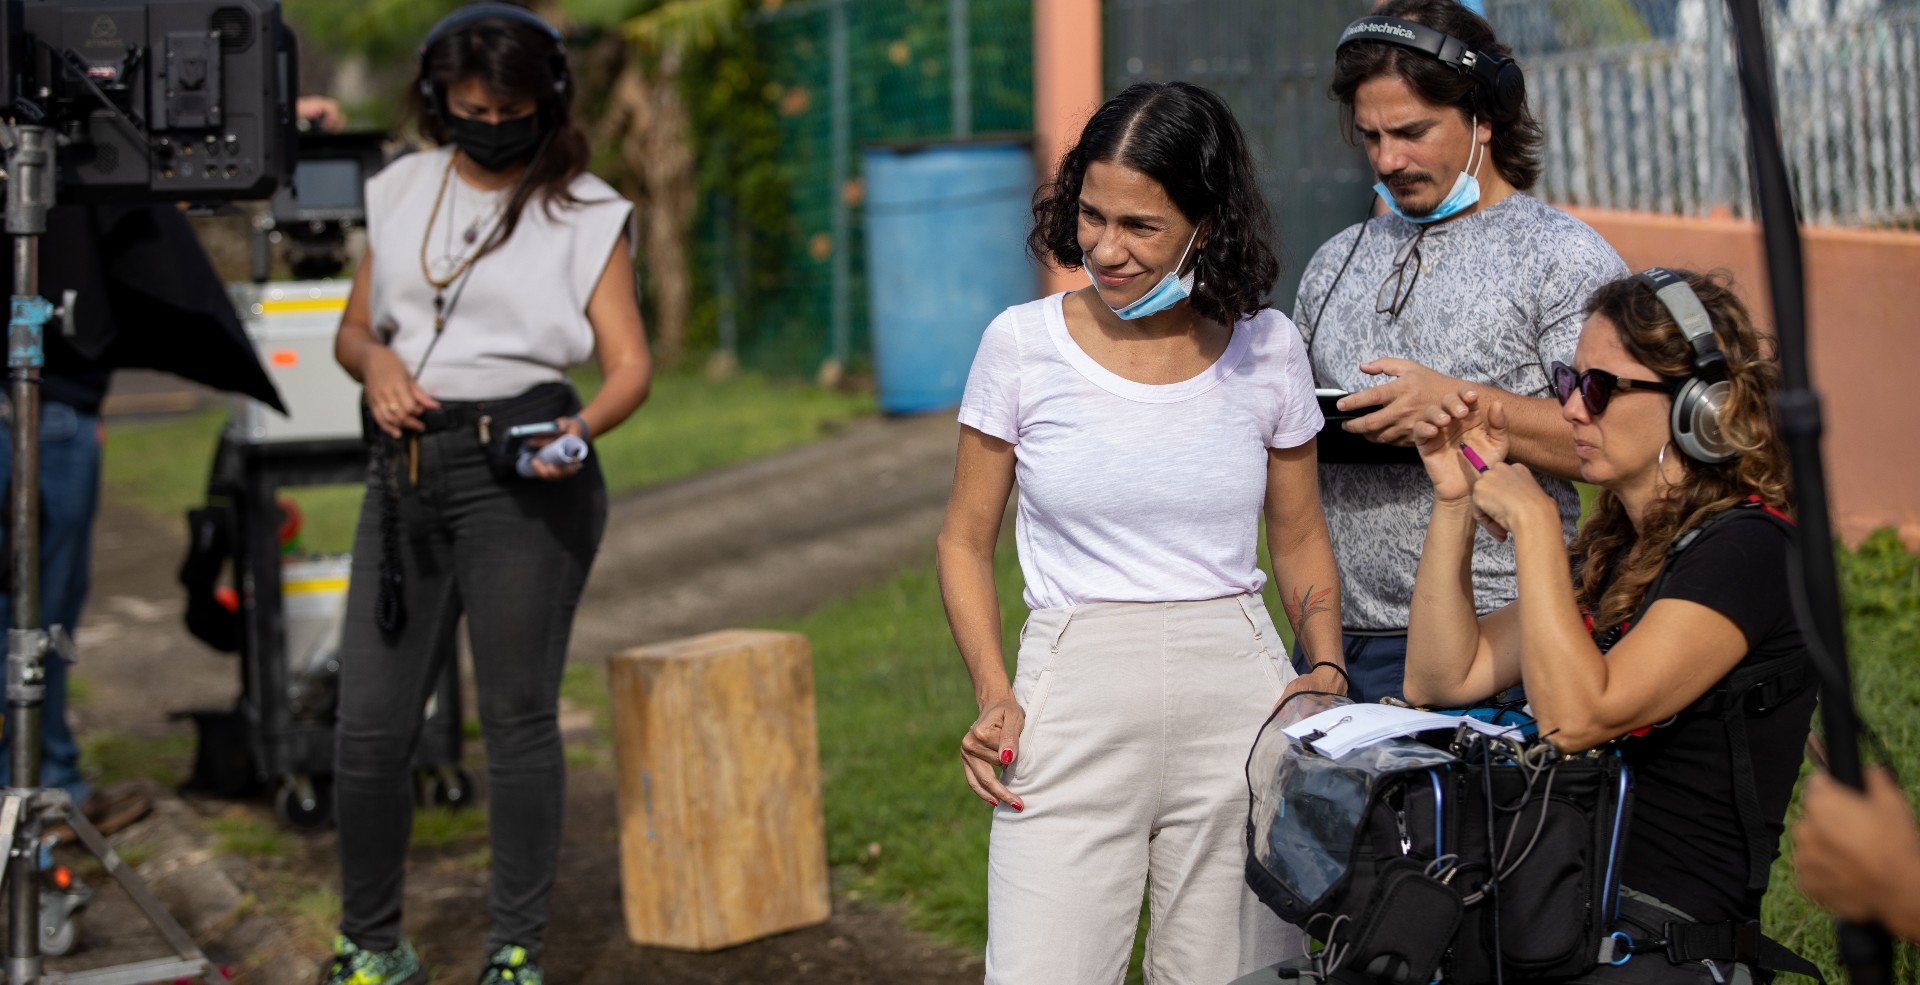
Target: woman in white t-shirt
{"points": [[1150, 419], [494, 263]]}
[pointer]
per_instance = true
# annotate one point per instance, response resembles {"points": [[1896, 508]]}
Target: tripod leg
{"points": [[9, 821], [143, 897]]}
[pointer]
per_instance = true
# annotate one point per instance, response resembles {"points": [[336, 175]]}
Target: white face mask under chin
{"points": [[1466, 187], [1172, 289]]}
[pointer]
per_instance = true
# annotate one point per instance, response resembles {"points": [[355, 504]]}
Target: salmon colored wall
{"points": [[1066, 90], [1863, 332]]}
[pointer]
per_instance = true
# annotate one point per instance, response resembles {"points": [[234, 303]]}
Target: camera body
{"points": [[164, 100]]}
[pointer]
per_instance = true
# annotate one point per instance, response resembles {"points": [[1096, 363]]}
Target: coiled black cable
{"points": [[389, 606]]}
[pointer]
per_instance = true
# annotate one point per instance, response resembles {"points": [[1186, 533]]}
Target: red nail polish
{"points": [[993, 803], [1006, 757], [1018, 806]]}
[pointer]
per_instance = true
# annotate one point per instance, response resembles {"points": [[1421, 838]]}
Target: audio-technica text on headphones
{"points": [[475, 13], [1499, 90], [1696, 407]]}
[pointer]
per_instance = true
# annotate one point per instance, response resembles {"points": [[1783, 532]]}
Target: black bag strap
{"points": [[1737, 941]]}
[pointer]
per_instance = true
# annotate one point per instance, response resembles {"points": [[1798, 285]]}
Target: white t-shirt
{"points": [[1138, 492], [521, 317]]}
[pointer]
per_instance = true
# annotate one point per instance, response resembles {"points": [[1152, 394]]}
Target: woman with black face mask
{"points": [[494, 263]]}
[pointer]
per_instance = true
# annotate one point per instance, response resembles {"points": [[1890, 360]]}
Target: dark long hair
{"points": [[1516, 143], [517, 61], [1185, 138], [1619, 563]]}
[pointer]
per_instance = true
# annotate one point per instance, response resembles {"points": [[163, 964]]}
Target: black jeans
{"points": [[513, 556]]}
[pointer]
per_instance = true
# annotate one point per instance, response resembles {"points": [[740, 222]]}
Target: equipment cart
{"points": [[289, 666]]}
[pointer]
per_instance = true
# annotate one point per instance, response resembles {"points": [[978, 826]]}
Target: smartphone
{"points": [[1328, 398], [521, 432]]}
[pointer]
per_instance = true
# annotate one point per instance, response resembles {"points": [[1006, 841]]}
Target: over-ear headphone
{"points": [[1499, 90], [472, 14], [1696, 407]]}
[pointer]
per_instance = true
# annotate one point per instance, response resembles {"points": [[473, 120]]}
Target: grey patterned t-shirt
{"points": [[1498, 298]]}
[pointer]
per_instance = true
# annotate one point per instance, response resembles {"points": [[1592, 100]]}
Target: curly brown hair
{"points": [[1618, 563]]}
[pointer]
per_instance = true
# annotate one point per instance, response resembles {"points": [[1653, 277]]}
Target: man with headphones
{"points": [[1464, 282]]}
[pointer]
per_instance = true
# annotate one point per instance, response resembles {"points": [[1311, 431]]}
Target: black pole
{"points": [[29, 195], [1866, 950]]}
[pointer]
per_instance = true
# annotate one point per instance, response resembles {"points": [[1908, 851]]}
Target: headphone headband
{"points": [[474, 13], [1497, 82], [486, 10], [1690, 315], [1407, 34]]}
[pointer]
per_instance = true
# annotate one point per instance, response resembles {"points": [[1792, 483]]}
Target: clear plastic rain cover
{"points": [[1307, 809]]}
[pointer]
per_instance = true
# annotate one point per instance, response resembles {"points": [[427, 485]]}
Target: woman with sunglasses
{"points": [[1151, 418], [1676, 584]]}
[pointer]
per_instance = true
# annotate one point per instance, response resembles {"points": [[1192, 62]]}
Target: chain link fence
{"points": [[1641, 109], [1638, 98], [846, 73]]}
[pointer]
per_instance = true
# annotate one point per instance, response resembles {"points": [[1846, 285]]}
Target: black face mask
{"points": [[496, 146]]}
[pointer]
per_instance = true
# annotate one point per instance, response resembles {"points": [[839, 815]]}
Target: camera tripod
{"points": [[26, 808]]}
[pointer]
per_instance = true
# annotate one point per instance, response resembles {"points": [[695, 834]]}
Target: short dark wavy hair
{"points": [[1516, 143], [1184, 137]]}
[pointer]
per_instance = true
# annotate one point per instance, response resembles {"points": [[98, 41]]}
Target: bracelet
{"points": [[1342, 671], [586, 433]]}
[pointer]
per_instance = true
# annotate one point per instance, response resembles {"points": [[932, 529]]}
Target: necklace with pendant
{"points": [[440, 284]]}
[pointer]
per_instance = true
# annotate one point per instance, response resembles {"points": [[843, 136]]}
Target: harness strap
{"points": [[1752, 691], [1746, 800], [1737, 941]]}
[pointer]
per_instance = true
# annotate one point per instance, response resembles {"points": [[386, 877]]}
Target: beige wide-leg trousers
{"points": [[1131, 768]]}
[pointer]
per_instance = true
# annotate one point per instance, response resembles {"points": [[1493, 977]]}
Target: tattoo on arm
{"points": [[1302, 607]]}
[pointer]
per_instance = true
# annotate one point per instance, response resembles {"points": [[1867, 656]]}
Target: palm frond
{"points": [[680, 26]]}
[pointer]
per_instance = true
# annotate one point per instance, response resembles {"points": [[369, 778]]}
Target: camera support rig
{"points": [[26, 807]]}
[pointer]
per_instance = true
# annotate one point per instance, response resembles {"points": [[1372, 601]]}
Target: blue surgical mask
{"points": [[1466, 188], [1171, 290]]}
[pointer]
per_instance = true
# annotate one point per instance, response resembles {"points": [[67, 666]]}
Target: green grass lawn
{"points": [[689, 425], [894, 699]]}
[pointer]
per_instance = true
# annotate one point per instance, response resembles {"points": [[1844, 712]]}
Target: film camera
{"points": [[171, 100]]}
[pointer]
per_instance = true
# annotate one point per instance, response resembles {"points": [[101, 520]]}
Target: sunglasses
{"points": [[1397, 289], [1597, 386]]}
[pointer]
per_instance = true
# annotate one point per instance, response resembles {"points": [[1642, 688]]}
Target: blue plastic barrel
{"points": [[946, 252]]}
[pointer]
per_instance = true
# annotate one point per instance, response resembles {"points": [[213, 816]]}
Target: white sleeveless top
{"points": [[518, 318]]}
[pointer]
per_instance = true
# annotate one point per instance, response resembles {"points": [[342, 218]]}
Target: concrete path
{"points": [[770, 538]]}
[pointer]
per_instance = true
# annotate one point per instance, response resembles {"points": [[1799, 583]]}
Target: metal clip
{"points": [[1714, 970], [62, 644]]}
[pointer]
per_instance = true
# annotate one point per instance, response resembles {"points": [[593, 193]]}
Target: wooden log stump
{"points": [[721, 835]]}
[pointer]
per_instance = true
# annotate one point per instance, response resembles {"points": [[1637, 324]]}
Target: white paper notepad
{"points": [[1338, 731]]}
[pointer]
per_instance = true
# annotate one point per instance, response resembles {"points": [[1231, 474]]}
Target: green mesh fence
{"points": [[841, 74]]}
